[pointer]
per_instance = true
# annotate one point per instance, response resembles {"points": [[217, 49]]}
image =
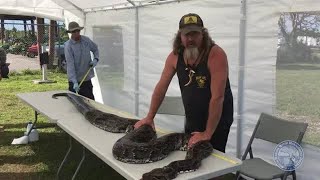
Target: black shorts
{"points": [[220, 136], [85, 89]]}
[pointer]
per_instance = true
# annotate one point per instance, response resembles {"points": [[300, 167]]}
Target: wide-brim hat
{"points": [[73, 26]]}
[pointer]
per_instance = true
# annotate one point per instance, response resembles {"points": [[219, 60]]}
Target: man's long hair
{"points": [[207, 42]]}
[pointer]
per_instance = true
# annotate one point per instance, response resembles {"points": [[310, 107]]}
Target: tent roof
{"points": [[98, 5], [51, 9], [59, 9]]}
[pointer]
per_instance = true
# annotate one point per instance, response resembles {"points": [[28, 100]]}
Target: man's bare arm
{"points": [[218, 67]]}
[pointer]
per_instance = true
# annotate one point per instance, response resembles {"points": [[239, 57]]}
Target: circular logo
{"points": [[288, 155]]}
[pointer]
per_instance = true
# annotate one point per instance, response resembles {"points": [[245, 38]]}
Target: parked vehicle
{"points": [[59, 57], [33, 50]]}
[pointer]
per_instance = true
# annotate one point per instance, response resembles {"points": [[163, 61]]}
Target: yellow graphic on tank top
{"points": [[201, 81]]}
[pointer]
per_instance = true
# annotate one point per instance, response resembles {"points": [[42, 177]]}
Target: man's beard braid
{"points": [[191, 53]]}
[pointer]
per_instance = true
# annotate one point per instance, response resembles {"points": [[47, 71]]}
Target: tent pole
{"points": [[131, 2], [136, 88], [241, 76], [136, 64], [73, 5]]}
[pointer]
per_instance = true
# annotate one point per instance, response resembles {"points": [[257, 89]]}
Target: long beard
{"points": [[191, 53]]}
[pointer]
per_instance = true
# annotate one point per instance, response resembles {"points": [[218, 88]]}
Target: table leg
{"points": [[65, 157], [79, 166], [34, 123]]}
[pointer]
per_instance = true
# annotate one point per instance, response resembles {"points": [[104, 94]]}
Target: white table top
{"points": [[42, 103], [101, 142]]}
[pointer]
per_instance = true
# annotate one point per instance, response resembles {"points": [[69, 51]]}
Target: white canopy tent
{"points": [[135, 37], [54, 10]]}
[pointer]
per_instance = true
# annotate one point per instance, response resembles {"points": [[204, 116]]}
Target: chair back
{"points": [[276, 130], [172, 105]]}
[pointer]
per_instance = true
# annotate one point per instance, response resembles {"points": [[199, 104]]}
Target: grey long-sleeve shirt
{"points": [[78, 57]]}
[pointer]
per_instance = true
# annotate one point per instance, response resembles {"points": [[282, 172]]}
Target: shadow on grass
{"points": [[43, 158], [20, 176], [24, 125], [298, 67]]}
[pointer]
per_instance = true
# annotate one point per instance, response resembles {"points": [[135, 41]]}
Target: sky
{"points": [[19, 24]]}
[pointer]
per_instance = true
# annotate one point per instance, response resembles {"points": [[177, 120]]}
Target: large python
{"points": [[141, 145]]}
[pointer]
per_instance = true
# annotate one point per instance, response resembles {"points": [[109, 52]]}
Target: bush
{"points": [[30, 72], [299, 53], [5, 46]]}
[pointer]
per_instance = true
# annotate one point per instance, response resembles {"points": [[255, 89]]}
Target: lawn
{"points": [[298, 97], [41, 159]]}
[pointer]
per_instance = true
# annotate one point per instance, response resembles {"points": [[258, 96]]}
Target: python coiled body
{"points": [[141, 145]]}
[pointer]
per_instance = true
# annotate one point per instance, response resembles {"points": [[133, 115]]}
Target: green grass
{"points": [[298, 97], [39, 160]]}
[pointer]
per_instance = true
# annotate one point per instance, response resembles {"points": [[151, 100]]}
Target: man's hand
{"points": [[94, 62], [76, 87], [144, 121], [198, 136]]}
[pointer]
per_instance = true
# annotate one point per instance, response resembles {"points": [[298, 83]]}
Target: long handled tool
{"points": [[85, 76]]}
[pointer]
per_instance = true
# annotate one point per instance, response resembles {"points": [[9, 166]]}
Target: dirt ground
{"points": [[19, 62]]}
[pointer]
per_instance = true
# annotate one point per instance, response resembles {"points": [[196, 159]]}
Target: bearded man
{"points": [[202, 70]]}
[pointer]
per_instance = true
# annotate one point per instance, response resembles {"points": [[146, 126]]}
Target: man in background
{"points": [[79, 63], [4, 67]]}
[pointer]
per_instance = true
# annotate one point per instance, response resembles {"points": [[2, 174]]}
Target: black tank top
{"points": [[196, 96]]}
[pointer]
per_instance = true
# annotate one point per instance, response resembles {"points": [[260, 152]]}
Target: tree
{"points": [[292, 25], [296, 24]]}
